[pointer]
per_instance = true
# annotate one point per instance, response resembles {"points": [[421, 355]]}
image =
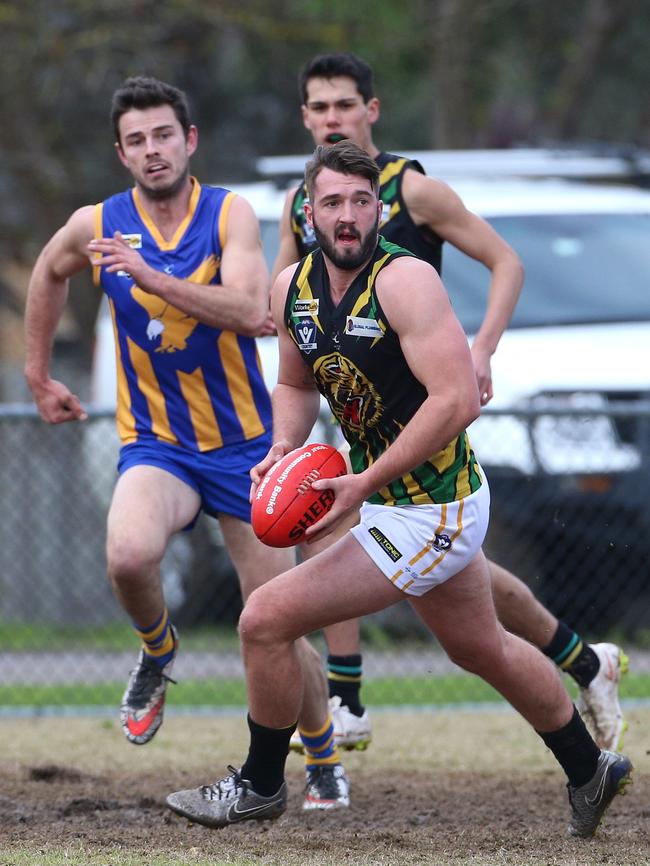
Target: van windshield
{"points": [[580, 269]]}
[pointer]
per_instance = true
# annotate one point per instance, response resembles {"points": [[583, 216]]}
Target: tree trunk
{"points": [[453, 48], [602, 19]]}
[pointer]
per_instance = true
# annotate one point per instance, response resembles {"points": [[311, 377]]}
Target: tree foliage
{"points": [[451, 73]]}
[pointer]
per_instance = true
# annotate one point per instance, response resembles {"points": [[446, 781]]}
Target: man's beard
{"points": [[348, 259], [163, 193]]}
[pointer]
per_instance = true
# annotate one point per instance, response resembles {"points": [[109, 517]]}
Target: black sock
{"points": [[267, 754], [344, 680], [571, 654], [574, 749]]}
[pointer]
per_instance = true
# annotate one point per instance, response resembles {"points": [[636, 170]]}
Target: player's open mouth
{"points": [[334, 137], [156, 167]]}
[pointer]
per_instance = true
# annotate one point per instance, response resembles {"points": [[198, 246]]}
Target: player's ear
{"points": [[120, 153], [373, 109], [305, 116], [191, 140], [309, 213]]}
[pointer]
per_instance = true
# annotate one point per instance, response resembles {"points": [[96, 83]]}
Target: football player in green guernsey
{"points": [[400, 381], [419, 213]]}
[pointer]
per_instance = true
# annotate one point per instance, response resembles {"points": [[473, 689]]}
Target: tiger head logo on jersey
{"points": [[351, 396]]}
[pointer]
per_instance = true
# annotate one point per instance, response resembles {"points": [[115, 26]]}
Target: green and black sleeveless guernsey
{"points": [[396, 224], [359, 367]]}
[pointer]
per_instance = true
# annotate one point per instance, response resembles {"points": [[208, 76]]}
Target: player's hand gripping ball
{"points": [[285, 503]]}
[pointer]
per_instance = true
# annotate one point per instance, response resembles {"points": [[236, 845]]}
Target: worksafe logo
{"points": [[386, 545], [307, 307]]}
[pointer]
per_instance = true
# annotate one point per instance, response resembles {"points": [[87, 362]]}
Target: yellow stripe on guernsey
{"points": [[99, 210], [238, 382], [180, 231], [304, 289], [392, 169], [463, 484], [364, 298], [124, 417], [223, 218], [204, 421], [148, 385]]}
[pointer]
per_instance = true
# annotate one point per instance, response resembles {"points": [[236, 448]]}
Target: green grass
{"points": [[112, 637], [386, 691]]}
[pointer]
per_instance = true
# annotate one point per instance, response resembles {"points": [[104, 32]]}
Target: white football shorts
{"points": [[420, 546]]}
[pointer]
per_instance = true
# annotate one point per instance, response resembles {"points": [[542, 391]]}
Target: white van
{"points": [[572, 373]]}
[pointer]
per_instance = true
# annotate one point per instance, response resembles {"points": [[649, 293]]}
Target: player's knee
{"points": [[477, 657], [258, 624], [130, 559]]}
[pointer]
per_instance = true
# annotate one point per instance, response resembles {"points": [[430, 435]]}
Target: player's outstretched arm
{"points": [[62, 257], [434, 204]]}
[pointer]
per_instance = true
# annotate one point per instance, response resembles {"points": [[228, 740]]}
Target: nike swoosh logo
{"points": [[235, 814], [137, 727], [599, 792]]}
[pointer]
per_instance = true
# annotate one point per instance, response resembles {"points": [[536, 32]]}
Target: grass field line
{"points": [[75, 666], [207, 711]]}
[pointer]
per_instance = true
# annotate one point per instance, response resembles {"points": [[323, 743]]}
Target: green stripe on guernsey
{"points": [[390, 189]]}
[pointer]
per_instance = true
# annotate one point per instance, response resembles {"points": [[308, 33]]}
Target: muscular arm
{"points": [[239, 303], [62, 257], [437, 353], [434, 204]]}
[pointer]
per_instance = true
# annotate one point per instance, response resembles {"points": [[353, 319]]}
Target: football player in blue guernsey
{"points": [[183, 268], [399, 379], [420, 213]]}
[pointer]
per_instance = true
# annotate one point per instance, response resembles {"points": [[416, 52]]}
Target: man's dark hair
{"points": [[344, 158], [142, 92], [331, 65]]}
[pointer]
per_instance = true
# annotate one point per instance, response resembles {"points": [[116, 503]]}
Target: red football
{"points": [[285, 503]]}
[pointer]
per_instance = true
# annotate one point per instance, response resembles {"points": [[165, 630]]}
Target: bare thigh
{"points": [[460, 612], [339, 583], [255, 563], [148, 506]]}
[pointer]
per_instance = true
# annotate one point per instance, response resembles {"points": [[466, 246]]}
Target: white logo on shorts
{"points": [[440, 541]]}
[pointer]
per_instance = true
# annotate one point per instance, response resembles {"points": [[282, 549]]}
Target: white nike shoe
{"points": [[350, 731], [598, 702]]}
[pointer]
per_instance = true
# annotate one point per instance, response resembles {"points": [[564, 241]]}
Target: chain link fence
{"points": [[570, 516]]}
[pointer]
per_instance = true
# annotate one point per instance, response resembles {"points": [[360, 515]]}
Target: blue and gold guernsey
{"points": [[179, 381], [396, 224], [360, 369]]}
